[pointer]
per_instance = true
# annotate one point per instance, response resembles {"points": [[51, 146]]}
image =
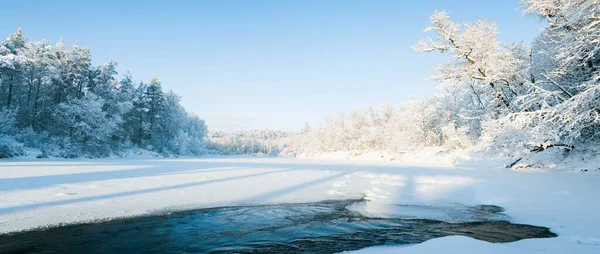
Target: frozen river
{"points": [[40, 194]]}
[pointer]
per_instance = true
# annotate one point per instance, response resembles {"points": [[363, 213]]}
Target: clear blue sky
{"points": [[264, 64]]}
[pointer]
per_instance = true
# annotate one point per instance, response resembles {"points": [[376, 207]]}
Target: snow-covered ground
{"points": [[37, 193]]}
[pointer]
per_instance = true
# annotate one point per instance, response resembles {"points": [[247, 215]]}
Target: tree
{"points": [[85, 125], [571, 40], [493, 72], [10, 64], [35, 68], [155, 103]]}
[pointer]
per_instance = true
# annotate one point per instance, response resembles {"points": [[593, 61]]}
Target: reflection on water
{"points": [[323, 227]]}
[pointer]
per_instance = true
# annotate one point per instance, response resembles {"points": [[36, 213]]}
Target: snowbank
{"points": [[429, 156], [463, 244]]}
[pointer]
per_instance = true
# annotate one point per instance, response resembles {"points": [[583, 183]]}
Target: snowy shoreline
{"points": [[37, 193]]}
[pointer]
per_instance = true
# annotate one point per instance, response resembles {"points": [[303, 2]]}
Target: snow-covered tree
{"points": [[493, 72], [61, 103], [84, 124]]}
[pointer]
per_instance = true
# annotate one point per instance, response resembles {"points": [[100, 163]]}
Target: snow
{"points": [[38, 193], [463, 244], [428, 156]]}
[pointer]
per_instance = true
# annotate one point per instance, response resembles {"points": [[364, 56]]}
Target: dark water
{"points": [[323, 227]]}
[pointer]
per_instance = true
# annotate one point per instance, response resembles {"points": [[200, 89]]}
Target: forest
{"points": [[502, 98], [56, 103]]}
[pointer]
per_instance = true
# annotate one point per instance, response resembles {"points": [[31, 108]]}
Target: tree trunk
{"points": [[35, 105], [540, 148], [501, 97], [29, 92], [140, 130], [10, 89]]}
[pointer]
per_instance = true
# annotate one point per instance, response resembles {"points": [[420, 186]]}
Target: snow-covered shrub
{"points": [[456, 137], [514, 134], [578, 119], [9, 147]]}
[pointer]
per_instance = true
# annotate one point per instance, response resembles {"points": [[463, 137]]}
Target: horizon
{"points": [[231, 61]]}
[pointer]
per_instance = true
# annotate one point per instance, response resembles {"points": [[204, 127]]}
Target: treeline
{"points": [[261, 142], [509, 99], [54, 100], [418, 124]]}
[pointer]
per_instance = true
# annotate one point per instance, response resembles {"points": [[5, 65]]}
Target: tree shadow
{"points": [[263, 197], [20, 208], [38, 164], [146, 168], [35, 182]]}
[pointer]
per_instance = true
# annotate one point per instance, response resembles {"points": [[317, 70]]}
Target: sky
{"points": [[264, 64]]}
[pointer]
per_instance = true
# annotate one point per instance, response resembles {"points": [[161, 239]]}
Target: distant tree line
{"points": [[263, 142]]}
